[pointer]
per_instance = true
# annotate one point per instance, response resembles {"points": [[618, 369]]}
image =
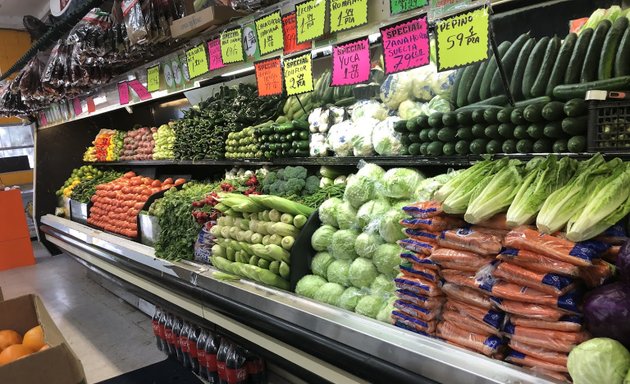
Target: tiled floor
{"points": [[108, 335]]}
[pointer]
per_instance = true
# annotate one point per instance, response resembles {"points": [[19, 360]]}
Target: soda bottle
{"points": [[235, 366], [209, 364], [168, 334], [162, 330], [191, 349], [183, 344], [222, 354], [256, 370], [177, 331], [201, 353], [155, 324]]}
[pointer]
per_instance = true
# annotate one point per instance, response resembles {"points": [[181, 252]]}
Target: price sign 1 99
{"points": [[197, 61]]}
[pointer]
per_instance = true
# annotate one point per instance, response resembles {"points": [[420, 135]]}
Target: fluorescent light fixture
{"points": [[100, 100], [238, 72], [327, 50], [159, 94]]}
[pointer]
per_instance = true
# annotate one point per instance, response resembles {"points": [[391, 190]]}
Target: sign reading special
{"points": [[462, 39], [232, 46], [311, 16], [289, 28], [406, 44], [346, 14], [197, 61], [269, 76], [351, 62], [215, 60], [298, 74], [269, 30]]}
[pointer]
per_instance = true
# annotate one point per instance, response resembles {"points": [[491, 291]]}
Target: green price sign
{"points": [[346, 14], [311, 16], [232, 46], [462, 39], [401, 6], [197, 61], [269, 31], [153, 78], [298, 74]]}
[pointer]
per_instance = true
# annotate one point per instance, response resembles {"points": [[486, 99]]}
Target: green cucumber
{"points": [[622, 60], [473, 94], [551, 54], [400, 126], [575, 107], [414, 149], [610, 47], [533, 66], [455, 89], [504, 115], [477, 116], [414, 137], [411, 125], [562, 61], [492, 132], [536, 130], [435, 149], [594, 51], [493, 146], [493, 102], [449, 149], [424, 135], [575, 125], [560, 146], [516, 83], [435, 120], [577, 144], [520, 132], [553, 111], [553, 130], [423, 149], [484, 89], [533, 113], [464, 133], [449, 119], [423, 121], [516, 117], [542, 146], [506, 130], [572, 91], [446, 135], [432, 135], [509, 146], [478, 146], [534, 101], [479, 130], [509, 61], [524, 146], [490, 116], [462, 147], [466, 83], [464, 118], [572, 75]]}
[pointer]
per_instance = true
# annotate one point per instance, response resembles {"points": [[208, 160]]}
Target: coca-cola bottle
{"points": [[183, 344], [256, 370], [162, 330], [169, 335], [222, 354], [201, 353], [209, 364], [191, 349], [235, 366], [177, 331], [155, 324]]}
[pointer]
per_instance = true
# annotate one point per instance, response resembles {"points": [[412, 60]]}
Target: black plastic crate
{"points": [[609, 124]]}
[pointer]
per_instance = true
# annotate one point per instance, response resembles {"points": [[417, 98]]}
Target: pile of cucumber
{"points": [[536, 126], [283, 139]]}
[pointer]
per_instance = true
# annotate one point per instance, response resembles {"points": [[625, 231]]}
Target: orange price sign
{"points": [[269, 76]]}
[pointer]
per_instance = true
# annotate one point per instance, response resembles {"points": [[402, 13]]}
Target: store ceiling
{"points": [[12, 11]]}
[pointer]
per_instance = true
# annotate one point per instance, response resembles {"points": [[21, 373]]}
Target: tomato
{"points": [[168, 181], [179, 181], [147, 192], [156, 183], [129, 175], [138, 205]]}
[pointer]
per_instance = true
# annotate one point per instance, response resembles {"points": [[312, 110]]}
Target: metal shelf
{"points": [[360, 346]]}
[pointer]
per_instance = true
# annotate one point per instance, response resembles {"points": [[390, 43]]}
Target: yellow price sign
{"points": [[298, 74], [231, 42], [346, 14], [462, 39], [197, 61], [153, 78], [311, 16], [269, 30]]}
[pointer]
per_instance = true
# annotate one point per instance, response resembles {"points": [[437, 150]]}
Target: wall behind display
{"points": [[14, 45]]}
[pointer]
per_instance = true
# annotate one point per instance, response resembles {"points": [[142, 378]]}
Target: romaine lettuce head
{"points": [[370, 305], [359, 190], [362, 273], [350, 297], [599, 360], [308, 285], [371, 211], [346, 216], [338, 272], [389, 228], [342, 246], [322, 237], [320, 264], [387, 259], [328, 211], [329, 293], [400, 183], [366, 243]]}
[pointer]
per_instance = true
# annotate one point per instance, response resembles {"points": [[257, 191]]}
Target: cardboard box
{"points": [[199, 21], [56, 365]]}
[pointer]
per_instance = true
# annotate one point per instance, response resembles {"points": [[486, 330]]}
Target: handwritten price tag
{"points": [[139, 89], [462, 39], [214, 54], [197, 61], [346, 14], [269, 76], [123, 93], [289, 29], [76, 103], [232, 46], [406, 45], [153, 78], [351, 62], [311, 16], [91, 107], [298, 74], [269, 30], [43, 120], [401, 6]]}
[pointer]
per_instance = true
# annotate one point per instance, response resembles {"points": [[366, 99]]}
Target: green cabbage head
{"points": [[599, 360]]}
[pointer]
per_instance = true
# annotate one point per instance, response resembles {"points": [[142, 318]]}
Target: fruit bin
{"points": [[608, 122]]}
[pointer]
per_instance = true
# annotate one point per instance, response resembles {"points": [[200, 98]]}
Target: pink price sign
{"points": [[214, 53], [140, 89], [76, 103], [351, 62], [123, 93], [406, 44]]}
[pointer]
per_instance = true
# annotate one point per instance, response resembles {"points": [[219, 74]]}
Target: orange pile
{"points": [[14, 347]]}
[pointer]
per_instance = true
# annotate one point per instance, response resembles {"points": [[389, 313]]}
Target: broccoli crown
{"points": [[278, 188], [312, 185], [294, 186], [290, 172]]}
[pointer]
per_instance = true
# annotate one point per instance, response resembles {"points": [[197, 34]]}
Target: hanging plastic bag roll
{"points": [[558, 358], [579, 254], [487, 345], [428, 302], [538, 263], [529, 361], [469, 240], [550, 283], [424, 209]]}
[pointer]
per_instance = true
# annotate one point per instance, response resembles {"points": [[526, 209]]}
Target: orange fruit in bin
{"points": [[14, 352], [9, 337], [34, 338], [45, 347]]}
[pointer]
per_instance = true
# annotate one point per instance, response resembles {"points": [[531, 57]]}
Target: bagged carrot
{"points": [[552, 246], [597, 274], [433, 302], [415, 311], [459, 267], [424, 236], [418, 285], [487, 345], [530, 361], [416, 246], [529, 310], [433, 224], [539, 263], [419, 259], [498, 221], [539, 353], [468, 323], [544, 282], [417, 270], [424, 209], [467, 295], [465, 279], [464, 259], [414, 323], [500, 233], [515, 292], [551, 340], [469, 240], [491, 317], [567, 323]]}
